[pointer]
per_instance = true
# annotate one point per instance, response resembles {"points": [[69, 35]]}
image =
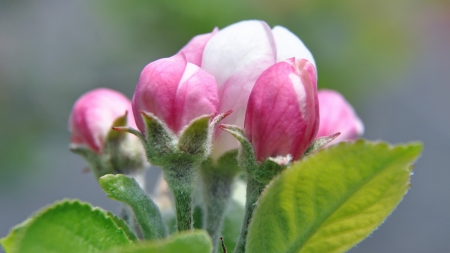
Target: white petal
{"points": [[288, 45], [245, 43]]}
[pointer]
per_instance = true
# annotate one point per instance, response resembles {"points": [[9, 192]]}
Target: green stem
{"points": [[180, 173], [184, 210], [254, 190], [217, 194]]}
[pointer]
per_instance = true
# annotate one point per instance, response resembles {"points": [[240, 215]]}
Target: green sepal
{"points": [[196, 241], [263, 172], [127, 190], [320, 142], [267, 171], [195, 139], [246, 157], [132, 131], [159, 140], [125, 154], [119, 153], [68, 226], [225, 166], [215, 121], [113, 135], [333, 199]]}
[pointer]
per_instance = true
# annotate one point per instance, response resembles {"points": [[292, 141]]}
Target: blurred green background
{"points": [[391, 59]]}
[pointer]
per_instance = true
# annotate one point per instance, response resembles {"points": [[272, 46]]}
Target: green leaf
{"points": [[333, 199], [127, 190], [186, 242], [68, 226], [123, 225]]}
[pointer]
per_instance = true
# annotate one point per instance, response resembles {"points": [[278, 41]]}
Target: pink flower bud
{"points": [[174, 91], [236, 56], [93, 115], [282, 116], [337, 115], [193, 51]]}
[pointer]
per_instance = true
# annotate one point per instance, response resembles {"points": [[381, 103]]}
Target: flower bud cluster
{"points": [[260, 82]]}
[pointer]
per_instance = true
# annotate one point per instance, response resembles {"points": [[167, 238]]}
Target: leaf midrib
{"points": [[313, 229]]}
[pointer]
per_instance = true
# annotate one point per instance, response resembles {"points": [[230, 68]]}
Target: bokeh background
{"points": [[391, 59]]}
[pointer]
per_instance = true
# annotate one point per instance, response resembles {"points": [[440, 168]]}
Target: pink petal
{"points": [[196, 96], [175, 91], [282, 114], [193, 50], [93, 115], [156, 90], [337, 115]]}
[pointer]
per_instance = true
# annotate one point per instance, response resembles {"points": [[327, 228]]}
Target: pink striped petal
{"points": [[196, 96], [193, 50], [283, 116], [175, 91]]}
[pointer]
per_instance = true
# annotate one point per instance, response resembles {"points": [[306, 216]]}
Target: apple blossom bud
{"points": [[236, 56], [107, 151], [93, 115], [174, 91], [337, 115], [282, 115], [174, 106], [193, 51]]}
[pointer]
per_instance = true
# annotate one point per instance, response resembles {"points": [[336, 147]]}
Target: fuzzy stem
{"points": [[218, 177], [184, 207], [254, 190], [180, 174], [217, 194]]}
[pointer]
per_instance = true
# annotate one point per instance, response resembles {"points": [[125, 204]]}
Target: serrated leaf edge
{"points": [[416, 145], [57, 204]]}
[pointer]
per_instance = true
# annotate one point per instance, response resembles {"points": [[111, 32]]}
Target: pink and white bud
{"points": [[93, 115], [337, 115], [282, 116], [236, 56], [176, 92], [193, 51]]}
